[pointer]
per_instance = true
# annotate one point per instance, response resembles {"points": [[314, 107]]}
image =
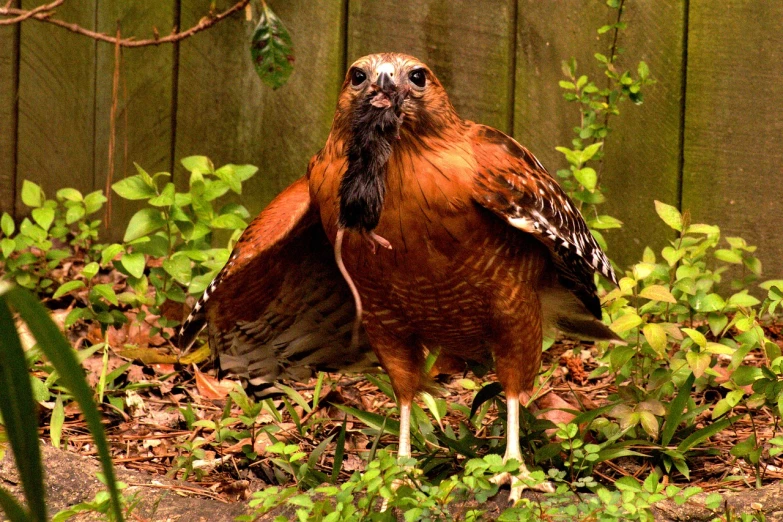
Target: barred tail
{"points": [[197, 319]]}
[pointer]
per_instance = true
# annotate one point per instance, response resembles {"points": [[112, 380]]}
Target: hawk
{"points": [[482, 251]]}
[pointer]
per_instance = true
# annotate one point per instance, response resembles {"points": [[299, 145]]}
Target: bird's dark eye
{"points": [[418, 78], [357, 77]]}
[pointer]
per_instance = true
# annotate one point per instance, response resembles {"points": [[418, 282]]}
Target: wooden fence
{"points": [[707, 138]]}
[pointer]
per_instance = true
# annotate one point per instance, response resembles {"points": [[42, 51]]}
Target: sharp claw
{"points": [[518, 485]]}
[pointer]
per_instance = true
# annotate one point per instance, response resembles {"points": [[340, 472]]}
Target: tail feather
{"points": [[197, 319]]}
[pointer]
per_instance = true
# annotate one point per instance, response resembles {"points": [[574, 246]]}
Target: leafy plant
{"points": [[59, 228], [178, 228], [18, 408]]}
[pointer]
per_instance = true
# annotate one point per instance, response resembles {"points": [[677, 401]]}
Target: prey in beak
{"points": [[375, 125]]}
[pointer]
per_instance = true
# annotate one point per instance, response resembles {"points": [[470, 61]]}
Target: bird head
{"points": [[388, 101], [381, 87]]}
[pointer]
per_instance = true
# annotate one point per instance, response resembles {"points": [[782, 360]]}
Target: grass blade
{"points": [[12, 509], [373, 420], [676, 410], [703, 434], [56, 348], [339, 452], [18, 409]]}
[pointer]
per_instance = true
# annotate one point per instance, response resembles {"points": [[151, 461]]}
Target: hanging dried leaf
{"points": [[272, 49]]}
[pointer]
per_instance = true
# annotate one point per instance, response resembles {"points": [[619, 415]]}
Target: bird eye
{"points": [[357, 77], [418, 78]]}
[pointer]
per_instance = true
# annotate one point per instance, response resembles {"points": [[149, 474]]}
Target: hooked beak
{"points": [[385, 83]]}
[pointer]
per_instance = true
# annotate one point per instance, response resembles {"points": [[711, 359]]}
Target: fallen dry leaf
{"points": [[211, 388]]}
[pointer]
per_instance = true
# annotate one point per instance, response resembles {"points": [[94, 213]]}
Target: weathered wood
{"points": [[225, 112], [734, 122], [56, 102], [642, 153], [144, 106], [467, 43], [8, 79]]}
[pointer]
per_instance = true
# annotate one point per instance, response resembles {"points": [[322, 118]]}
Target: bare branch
{"points": [[41, 10], [43, 14]]}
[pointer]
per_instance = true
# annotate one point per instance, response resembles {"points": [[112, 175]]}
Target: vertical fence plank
{"points": [[8, 79], [468, 44], [643, 152], [144, 106], [225, 112], [732, 173], [56, 102]]}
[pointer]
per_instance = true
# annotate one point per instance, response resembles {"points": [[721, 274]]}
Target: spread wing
{"points": [[513, 184], [279, 309]]}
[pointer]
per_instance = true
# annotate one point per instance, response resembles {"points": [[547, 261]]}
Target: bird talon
{"points": [[520, 483]]}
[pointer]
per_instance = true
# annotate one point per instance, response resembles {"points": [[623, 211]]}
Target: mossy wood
{"points": [[144, 112], [56, 126], [226, 113], [733, 173], [8, 77]]}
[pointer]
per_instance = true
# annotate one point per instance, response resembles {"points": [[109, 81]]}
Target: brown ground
{"points": [[146, 438]]}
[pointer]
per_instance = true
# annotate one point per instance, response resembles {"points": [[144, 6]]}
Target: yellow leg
{"points": [[513, 452]]}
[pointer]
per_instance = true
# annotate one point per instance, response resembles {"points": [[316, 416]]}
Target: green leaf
{"points": [[670, 215], [372, 419], [227, 174], [74, 214], [590, 151], [166, 197], [13, 509], [70, 286], [676, 410], [17, 407], [60, 354], [272, 49], [649, 423], [94, 201], [44, 216], [604, 222], [7, 224], [90, 270], [143, 222], [179, 268], [197, 163], [657, 293], [626, 322], [110, 252], [587, 177], [69, 194], [656, 337], [106, 291], [56, 422], [728, 256], [7, 246], [134, 263], [32, 195], [743, 299], [745, 375], [134, 187], [230, 221], [703, 434], [697, 337], [698, 362], [244, 172]]}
